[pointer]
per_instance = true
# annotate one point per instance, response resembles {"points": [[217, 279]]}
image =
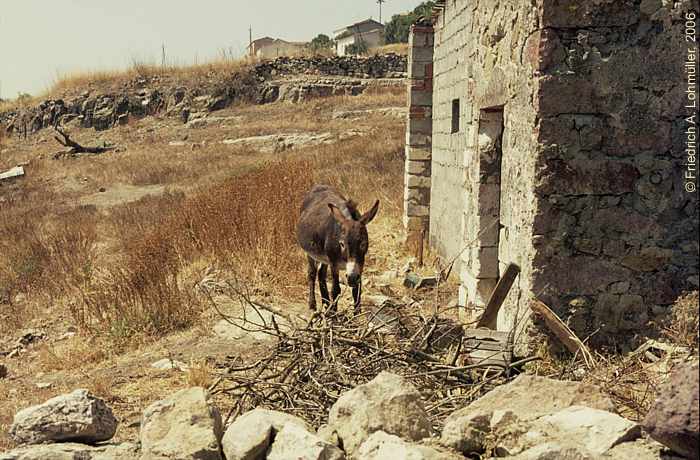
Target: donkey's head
{"points": [[353, 240]]}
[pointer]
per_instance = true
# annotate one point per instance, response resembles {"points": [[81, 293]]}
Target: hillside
{"points": [[102, 254]]}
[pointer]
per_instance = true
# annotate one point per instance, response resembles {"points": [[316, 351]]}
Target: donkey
{"points": [[333, 234]]}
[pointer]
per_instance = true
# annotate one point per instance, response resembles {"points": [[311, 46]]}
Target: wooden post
{"points": [[488, 319]]}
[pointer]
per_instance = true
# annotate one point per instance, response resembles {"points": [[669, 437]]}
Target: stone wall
{"points": [[616, 233], [381, 66], [483, 168], [570, 136], [418, 134], [259, 84]]}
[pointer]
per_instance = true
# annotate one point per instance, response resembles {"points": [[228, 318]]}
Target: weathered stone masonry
{"points": [[419, 132], [569, 136]]}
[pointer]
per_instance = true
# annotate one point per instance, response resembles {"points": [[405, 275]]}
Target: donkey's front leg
{"points": [[335, 290], [322, 284], [311, 278], [357, 295]]}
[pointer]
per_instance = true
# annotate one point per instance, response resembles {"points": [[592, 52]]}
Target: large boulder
{"points": [[388, 403], [512, 406], [673, 419], [73, 451], [383, 446], [183, 426], [250, 435], [591, 432], [78, 416], [293, 441]]}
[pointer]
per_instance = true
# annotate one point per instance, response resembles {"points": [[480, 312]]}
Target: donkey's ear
{"points": [[369, 215], [337, 215]]}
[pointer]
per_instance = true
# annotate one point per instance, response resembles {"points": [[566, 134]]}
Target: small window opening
{"points": [[455, 115]]}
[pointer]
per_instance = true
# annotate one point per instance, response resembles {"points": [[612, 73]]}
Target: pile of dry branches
{"points": [[314, 360]]}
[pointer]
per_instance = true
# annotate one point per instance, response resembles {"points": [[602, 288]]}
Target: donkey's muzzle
{"points": [[353, 279]]}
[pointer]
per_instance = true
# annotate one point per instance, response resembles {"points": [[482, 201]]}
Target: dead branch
{"points": [[73, 147], [311, 362], [563, 333]]}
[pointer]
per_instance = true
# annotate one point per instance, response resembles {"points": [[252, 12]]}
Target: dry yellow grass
{"points": [[236, 211], [396, 48]]}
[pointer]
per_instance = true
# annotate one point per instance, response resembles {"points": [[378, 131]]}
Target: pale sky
{"points": [[41, 39]]}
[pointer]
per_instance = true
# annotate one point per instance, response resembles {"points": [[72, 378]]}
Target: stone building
{"points": [[369, 33], [552, 135], [271, 48]]}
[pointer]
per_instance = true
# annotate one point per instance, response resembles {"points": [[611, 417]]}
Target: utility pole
{"points": [[250, 40], [380, 8], [163, 55]]}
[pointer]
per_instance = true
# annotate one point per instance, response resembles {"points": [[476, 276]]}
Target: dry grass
{"points": [[199, 373], [632, 380], [132, 271], [190, 72], [396, 48], [684, 323]]}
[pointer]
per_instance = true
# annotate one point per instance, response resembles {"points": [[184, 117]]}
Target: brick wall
{"points": [[418, 133]]}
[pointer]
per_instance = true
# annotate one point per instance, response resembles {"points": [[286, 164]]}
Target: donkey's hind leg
{"points": [[311, 278], [323, 285]]}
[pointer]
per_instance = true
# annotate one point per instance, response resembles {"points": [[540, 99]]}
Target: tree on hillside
{"points": [[321, 42], [396, 30]]}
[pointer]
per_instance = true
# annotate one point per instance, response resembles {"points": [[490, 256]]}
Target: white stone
{"points": [[294, 442], [594, 430], [73, 451], [169, 364], [77, 416], [388, 403], [249, 436], [183, 426], [383, 446]]}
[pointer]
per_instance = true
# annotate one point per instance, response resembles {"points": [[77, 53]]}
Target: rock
{"points": [[250, 435], [3, 371], [274, 143], [467, 433], [73, 451], [640, 449], [552, 396], [205, 121], [183, 426], [383, 446], [293, 441], [388, 403], [78, 416], [166, 364], [591, 430], [673, 419], [513, 406]]}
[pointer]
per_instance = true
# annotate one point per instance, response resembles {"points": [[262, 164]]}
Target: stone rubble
{"points": [[531, 418]]}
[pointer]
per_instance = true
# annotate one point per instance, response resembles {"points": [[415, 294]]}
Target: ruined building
{"points": [[552, 134]]}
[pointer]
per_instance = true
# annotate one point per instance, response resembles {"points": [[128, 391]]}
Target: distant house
{"points": [[268, 47], [369, 32]]}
